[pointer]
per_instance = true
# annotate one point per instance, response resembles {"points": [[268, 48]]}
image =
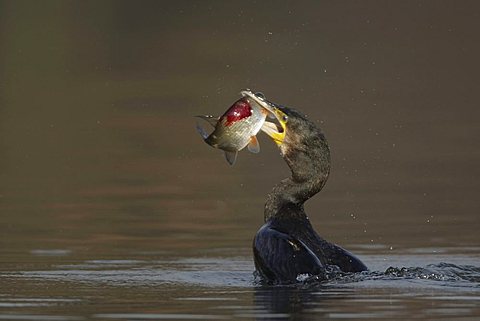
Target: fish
{"points": [[238, 126]]}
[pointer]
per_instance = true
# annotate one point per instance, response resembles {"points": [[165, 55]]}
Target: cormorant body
{"points": [[287, 246]]}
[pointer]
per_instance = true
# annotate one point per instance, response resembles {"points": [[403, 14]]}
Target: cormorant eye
{"points": [[260, 95], [284, 118]]}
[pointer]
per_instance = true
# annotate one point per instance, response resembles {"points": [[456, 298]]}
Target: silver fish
{"points": [[238, 126]]}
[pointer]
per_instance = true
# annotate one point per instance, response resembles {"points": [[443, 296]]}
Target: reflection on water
{"points": [[230, 271], [217, 288], [111, 206]]}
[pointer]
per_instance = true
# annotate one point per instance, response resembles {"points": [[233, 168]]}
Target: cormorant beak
{"points": [[273, 129]]}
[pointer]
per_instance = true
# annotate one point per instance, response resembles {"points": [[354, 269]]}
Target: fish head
{"points": [[275, 129]]}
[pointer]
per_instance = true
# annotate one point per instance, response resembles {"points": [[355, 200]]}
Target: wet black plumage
{"points": [[287, 245]]}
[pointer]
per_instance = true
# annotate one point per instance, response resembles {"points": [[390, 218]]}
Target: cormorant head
{"points": [[301, 142], [305, 150]]}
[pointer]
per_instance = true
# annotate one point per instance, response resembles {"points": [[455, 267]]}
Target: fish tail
{"points": [[202, 131], [212, 120]]}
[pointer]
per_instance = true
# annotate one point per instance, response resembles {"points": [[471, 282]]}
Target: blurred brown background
{"points": [[98, 144]]}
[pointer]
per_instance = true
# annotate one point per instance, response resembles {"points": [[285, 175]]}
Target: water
{"points": [[112, 208], [221, 286]]}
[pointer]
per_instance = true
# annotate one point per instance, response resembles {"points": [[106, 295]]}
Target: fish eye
{"points": [[284, 118], [260, 95]]}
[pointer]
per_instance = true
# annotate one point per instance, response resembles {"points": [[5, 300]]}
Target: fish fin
{"points": [[202, 131], [253, 145], [231, 157], [269, 128], [212, 120]]}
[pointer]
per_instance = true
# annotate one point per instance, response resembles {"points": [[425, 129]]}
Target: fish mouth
{"points": [[276, 129]]}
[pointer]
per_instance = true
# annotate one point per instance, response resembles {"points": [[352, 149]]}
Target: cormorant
{"points": [[287, 247]]}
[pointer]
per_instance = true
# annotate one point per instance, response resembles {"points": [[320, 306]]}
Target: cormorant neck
{"points": [[310, 166]]}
